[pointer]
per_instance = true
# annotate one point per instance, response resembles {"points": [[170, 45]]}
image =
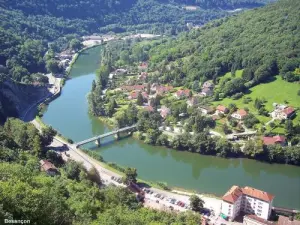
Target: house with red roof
{"points": [[239, 114], [164, 111], [48, 167], [275, 140], [206, 92], [248, 200], [134, 95], [163, 89], [143, 66], [182, 93], [192, 101], [283, 220], [143, 76], [282, 112], [140, 87], [149, 108], [221, 109]]}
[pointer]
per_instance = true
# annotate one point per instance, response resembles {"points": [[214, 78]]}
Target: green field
{"points": [[278, 91]]}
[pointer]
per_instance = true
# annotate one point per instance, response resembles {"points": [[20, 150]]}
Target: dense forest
{"points": [[29, 28], [72, 196], [264, 42]]}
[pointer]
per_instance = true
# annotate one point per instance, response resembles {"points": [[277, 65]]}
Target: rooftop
{"points": [[255, 193], [274, 140], [283, 220], [235, 192]]}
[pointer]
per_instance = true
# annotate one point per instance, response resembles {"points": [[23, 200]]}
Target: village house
{"points": [[143, 66], [164, 112], [192, 101], [239, 114], [206, 110], [149, 108], [248, 200], [160, 89], [208, 84], [206, 92], [143, 76], [283, 220], [133, 88], [134, 95], [48, 167], [280, 140], [182, 94], [221, 109], [117, 72], [255, 220], [282, 112]]}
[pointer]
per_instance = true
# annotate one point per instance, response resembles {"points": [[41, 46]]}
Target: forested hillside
{"points": [[264, 42], [72, 196]]}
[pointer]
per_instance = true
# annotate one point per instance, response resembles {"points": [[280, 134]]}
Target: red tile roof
{"points": [[163, 89], [255, 193], [274, 140], [258, 219], [283, 220], [242, 112], [233, 194], [222, 108], [288, 111], [46, 165], [133, 87], [185, 93], [149, 108]]}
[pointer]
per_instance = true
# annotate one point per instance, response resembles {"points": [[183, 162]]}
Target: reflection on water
{"points": [[69, 114]]}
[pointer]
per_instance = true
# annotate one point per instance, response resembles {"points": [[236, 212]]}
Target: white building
{"points": [[248, 200]]}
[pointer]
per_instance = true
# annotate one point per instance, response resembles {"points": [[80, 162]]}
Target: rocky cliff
{"points": [[16, 98]]}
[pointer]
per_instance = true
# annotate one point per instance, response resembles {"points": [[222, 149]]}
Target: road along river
{"points": [[205, 174]]}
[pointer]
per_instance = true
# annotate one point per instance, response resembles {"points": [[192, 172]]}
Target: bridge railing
{"points": [[104, 135]]}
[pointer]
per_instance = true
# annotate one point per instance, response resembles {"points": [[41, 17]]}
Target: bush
{"points": [[237, 96]]}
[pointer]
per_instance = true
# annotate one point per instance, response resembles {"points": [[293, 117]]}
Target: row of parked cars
{"points": [[179, 203], [117, 179], [170, 200]]}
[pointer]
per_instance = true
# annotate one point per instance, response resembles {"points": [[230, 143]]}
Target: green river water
{"points": [[205, 174]]}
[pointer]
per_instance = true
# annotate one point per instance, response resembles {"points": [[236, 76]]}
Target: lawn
{"points": [[278, 91]]}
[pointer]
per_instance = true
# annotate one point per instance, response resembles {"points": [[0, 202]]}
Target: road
{"points": [[53, 90], [71, 152]]}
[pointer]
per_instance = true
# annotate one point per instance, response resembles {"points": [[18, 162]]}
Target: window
{"points": [[259, 211], [258, 214]]}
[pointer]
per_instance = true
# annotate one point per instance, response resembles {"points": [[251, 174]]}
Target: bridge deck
{"points": [[104, 135]]}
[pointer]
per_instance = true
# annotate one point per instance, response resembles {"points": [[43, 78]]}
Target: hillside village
{"points": [[174, 104]]}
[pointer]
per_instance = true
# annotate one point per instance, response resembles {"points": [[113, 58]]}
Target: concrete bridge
{"points": [[98, 138]]}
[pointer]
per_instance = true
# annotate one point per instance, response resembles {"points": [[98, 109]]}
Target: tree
{"points": [[140, 99], [37, 145], [75, 44], [289, 127], [48, 134], [130, 175], [52, 66], [196, 203], [72, 169], [94, 176]]}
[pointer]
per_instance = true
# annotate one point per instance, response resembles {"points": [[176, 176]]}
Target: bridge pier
{"points": [[117, 135], [98, 142]]}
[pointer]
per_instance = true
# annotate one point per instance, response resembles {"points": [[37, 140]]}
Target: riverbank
{"points": [[205, 174]]}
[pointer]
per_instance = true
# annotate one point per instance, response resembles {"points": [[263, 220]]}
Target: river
{"points": [[206, 174]]}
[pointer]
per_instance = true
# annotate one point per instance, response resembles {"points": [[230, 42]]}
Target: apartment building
{"points": [[248, 200]]}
